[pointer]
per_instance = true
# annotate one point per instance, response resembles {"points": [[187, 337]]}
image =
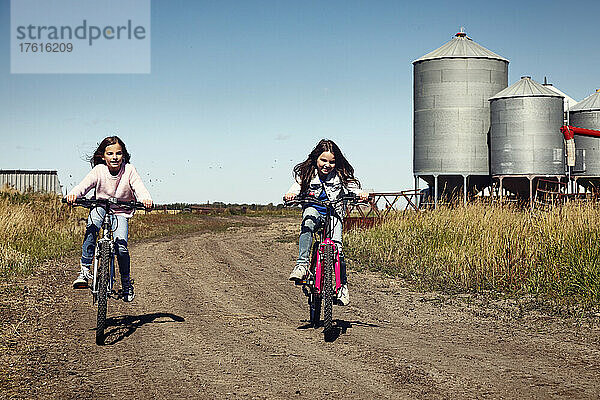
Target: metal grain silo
{"points": [[525, 138], [452, 85], [586, 114]]}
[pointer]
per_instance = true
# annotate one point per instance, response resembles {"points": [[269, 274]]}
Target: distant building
{"points": [[34, 180]]}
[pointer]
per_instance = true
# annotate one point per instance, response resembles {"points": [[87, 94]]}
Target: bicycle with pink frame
{"points": [[319, 285]]}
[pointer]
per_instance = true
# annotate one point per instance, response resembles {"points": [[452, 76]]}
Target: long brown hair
{"points": [[97, 157], [305, 171]]}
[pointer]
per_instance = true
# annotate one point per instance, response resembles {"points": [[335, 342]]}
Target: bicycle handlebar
{"points": [[91, 203], [311, 199]]}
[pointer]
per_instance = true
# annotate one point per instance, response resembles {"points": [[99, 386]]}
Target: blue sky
{"points": [[240, 91]]}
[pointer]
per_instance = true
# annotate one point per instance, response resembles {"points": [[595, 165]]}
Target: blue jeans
{"points": [[312, 221], [120, 226]]}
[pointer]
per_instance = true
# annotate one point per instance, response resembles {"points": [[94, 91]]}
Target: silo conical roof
{"points": [[569, 101], [461, 46], [590, 103], [526, 87]]}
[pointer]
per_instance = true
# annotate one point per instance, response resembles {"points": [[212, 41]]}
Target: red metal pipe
{"points": [[570, 131]]}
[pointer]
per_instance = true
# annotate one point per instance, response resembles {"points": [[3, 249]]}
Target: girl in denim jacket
{"points": [[326, 174]]}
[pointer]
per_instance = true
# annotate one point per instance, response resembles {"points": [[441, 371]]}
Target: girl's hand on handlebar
{"points": [[71, 198], [289, 196], [364, 196], [147, 203]]}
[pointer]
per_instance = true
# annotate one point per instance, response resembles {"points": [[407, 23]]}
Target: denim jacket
{"points": [[333, 188]]}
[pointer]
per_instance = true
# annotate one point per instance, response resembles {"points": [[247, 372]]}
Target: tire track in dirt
{"points": [[215, 317]]}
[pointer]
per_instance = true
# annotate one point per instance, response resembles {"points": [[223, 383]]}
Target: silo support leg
{"points": [[531, 193], [435, 183], [465, 190], [417, 198]]}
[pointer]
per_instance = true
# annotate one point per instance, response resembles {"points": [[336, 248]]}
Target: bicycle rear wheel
{"points": [[103, 276], [327, 263]]}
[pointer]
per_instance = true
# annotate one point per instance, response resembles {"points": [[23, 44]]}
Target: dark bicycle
{"points": [[103, 277], [319, 284]]}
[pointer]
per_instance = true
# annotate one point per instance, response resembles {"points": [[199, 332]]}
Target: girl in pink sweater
{"points": [[112, 176]]}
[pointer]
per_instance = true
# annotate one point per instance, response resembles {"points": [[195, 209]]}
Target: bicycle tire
{"points": [[103, 272], [315, 310], [327, 287], [314, 297]]}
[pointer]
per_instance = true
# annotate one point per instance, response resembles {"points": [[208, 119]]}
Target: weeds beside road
{"points": [[34, 228], [552, 256]]}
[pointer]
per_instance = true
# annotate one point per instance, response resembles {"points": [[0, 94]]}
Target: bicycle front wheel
{"points": [[327, 286], [314, 298], [103, 277], [315, 309]]}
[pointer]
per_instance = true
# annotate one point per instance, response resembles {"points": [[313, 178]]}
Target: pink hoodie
{"points": [[126, 185]]}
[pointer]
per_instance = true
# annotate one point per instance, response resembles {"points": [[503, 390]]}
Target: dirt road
{"points": [[215, 317]]}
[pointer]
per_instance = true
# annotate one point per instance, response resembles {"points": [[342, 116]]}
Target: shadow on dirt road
{"points": [[340, 327], [125, 325]]}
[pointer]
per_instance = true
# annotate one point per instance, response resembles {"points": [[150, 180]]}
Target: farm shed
{"points": [[34, 180]]}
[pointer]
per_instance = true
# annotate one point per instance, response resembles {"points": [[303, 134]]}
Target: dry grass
{"points": [[553, 255], [34, 228]]}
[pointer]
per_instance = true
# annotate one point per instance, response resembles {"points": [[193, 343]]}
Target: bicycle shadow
{"points": [[125, 325], [339, 328]]}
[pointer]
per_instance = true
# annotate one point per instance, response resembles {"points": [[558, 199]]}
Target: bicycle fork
{"points": [[318, 269]]}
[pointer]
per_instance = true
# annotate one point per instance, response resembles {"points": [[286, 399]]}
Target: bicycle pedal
{"points": [[81, 286]]}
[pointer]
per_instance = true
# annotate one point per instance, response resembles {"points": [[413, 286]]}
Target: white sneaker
{"points": [[299, 273], [128, 294], [82, 280], [343, 297]]}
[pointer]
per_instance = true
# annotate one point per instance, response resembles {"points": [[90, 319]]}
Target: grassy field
{"points": [[481, 248], [35, 228]]}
